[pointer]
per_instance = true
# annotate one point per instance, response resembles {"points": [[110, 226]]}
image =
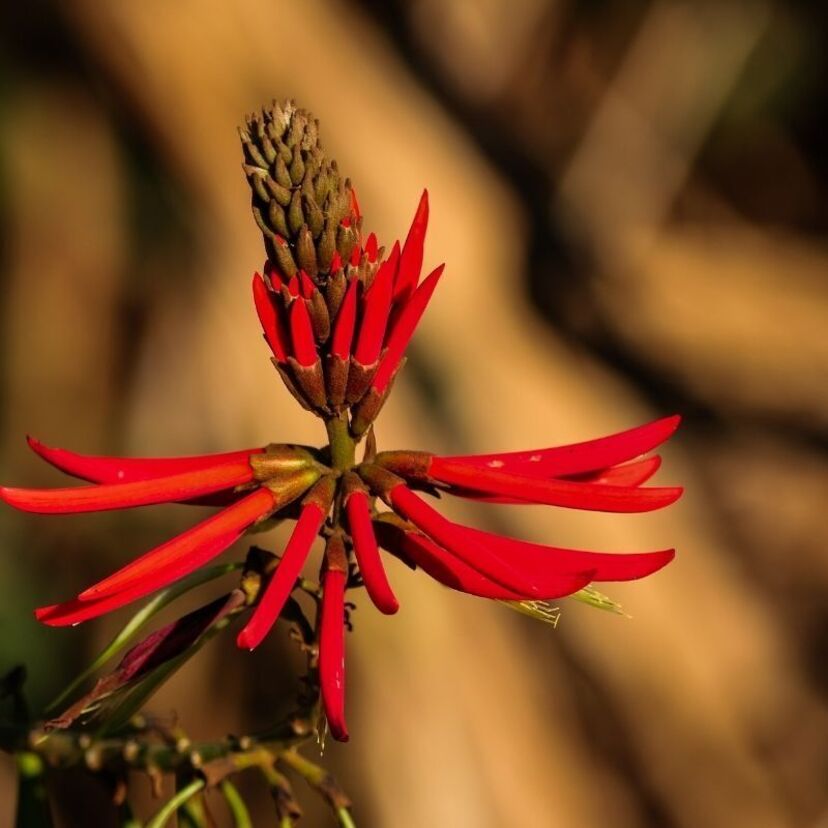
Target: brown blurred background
{"points": [[631, 200]]}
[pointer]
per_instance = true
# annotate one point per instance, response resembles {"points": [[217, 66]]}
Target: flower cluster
{"points": [[337, 314]]}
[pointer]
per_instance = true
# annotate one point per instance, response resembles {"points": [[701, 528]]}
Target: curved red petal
{"points": [[605, 566], [452, 572], [411, 260], [104, 497], [367, 554], [301, 334], [284, 578], [332, 652], [343, 332], [628, 474], [372, 247], [269, 318], [448, 535], [403, 329], [187, 551], [306, 285], [376, 306], [553, 492], [576, 458], [102, 469]]}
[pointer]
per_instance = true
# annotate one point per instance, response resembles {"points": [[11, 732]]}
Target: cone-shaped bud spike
{"points": [[300, 200]]}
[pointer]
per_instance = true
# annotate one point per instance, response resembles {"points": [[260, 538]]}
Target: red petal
{"points": [[76, 611], [566, 493], [452, 572], [284, 578], [628, 474], [411, 261], [539, 557], [580, 457], [450, 536], [372, 247], [343, 332], [376, 305], [392, 263], [367, 554], [332, 652], [307, 286], [126, 495], [187, 551], [269, 318], [101, 469], [301, 334], [336, 262], [403, 330], [355, 203]]}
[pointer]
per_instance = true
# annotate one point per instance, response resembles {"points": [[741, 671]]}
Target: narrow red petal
{"points": [[372, 247], [77, 611], [301, 334], [450, 536], [336, 262], [403, 330], [102, 469], [605, 566], [343, 332], [452, 572], [126, 495], [566, 493], [187, 551], [284, 578], [367, 554], [580, 457], [376, 305], [355, 203], [392, 263], [306, 285], [269, 318], [293, 287], [411, 261], [332, 652], [356, 255], [628, 474]]}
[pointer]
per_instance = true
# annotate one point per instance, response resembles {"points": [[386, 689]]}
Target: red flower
{"points": [[337, 317]]}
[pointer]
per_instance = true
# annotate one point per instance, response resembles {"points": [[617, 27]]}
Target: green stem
{"points": [[343, 445], [170, 807], [238, 810], [344, 817], [32, 800]]}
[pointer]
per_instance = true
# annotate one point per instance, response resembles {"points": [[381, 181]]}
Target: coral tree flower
{"points": [[337, 315]]}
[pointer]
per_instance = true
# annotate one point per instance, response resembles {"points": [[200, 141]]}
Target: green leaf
{"points": [[140, 620]]}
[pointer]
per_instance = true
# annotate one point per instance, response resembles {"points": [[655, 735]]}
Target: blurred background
{"points": [[631, 200]]}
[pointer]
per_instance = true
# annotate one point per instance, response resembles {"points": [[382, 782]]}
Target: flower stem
{"points": [[241, 816], [344, 817], [172, 805], [343, 446]]}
